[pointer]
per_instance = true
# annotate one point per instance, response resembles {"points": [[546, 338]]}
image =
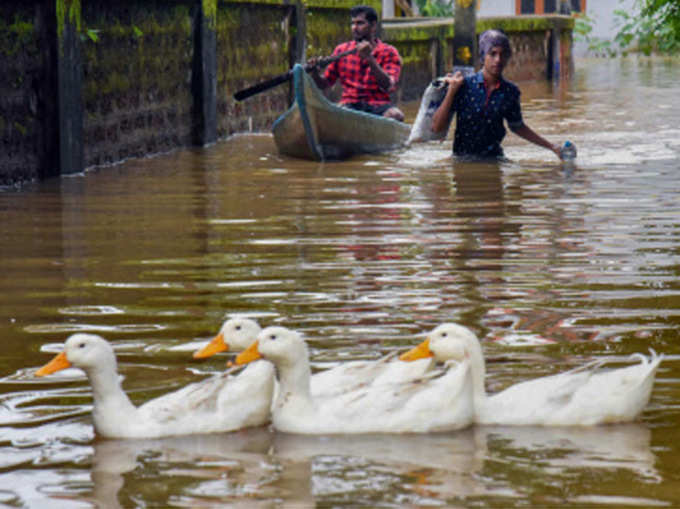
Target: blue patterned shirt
{"points": [[479, 121]]}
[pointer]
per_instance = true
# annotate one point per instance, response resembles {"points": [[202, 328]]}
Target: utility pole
{"points": [[465, 36]]}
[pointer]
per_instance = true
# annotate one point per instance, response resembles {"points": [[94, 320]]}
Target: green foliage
{"points": [[583, 28], [653, 27], [90, 34], [655, 30], [435, 8]]}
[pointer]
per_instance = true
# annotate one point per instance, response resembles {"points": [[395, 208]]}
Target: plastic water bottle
{"points": [[568, 152]]}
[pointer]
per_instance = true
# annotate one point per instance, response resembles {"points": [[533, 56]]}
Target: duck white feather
{"points": [[585, 396], [239, 333], [423, 405], [222, 403]]}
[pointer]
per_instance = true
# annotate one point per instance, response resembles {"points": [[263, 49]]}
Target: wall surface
{"points": [[136, 78], [541, 45], [23, 99], [495, 7], [94, 82]]}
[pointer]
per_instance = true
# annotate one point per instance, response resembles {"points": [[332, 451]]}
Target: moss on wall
{"points": [[15, 34], [67, 10], [247, 56], [326, 28], [136, 78], [209, 8], [21, 64], [419, 31], [524, 23]]}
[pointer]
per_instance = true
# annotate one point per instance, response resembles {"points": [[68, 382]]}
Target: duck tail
{"points": [[653, 360]]}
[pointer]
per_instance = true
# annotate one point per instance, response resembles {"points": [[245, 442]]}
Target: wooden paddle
{"points": [[282, 78]]}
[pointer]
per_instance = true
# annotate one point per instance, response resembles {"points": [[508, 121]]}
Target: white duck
{"points": [[239, 333], [441, 400], [583, 396], [222, 403]]}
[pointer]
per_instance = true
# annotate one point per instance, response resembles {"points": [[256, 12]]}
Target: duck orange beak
{"points": [[418, 352], [217, 345], [250, 354], [57, 364]]}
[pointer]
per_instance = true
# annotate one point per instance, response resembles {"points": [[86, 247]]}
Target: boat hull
{"points": [[315, 128]]}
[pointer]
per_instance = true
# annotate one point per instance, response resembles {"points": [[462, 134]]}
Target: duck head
{"points": [[448, 341], [236, 333], [84, 351], [276, 344]]}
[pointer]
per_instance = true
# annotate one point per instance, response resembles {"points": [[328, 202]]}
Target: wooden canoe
{"points": [[315, 128]]}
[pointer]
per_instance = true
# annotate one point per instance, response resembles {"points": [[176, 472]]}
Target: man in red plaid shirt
{"points": [[369, 75]]}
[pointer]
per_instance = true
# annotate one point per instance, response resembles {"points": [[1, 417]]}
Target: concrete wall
{"points": [[495, 8], [541, 45], [94, 82]]}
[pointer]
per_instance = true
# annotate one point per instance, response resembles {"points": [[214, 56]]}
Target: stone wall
{"points": [[136, 80], [542, 46], [22, 63], [94, 82], [425, 49], [253, 43]]}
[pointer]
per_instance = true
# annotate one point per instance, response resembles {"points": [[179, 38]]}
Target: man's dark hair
{"points": [[366, 10]]}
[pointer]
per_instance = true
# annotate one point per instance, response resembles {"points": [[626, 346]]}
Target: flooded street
{"points": [[552, 266]]}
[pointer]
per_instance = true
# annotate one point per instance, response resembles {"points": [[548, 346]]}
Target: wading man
{"points": [[482, 101], [369, 75]]}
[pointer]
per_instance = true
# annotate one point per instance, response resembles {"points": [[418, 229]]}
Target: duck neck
{"points": [[107, 391], [294, 378]]}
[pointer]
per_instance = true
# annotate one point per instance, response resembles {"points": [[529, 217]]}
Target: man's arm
{"points": [[442, 117], [365, 51], [319, 74], [524, 131]]}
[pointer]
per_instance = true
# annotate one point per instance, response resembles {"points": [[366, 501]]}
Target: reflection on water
{"points": [[257, 467], [551, 265]]}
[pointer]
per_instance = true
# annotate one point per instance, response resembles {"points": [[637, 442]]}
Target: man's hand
{"points": [[313, 66], [313, 62], [365, 50], [454, 80], [442, 117]]}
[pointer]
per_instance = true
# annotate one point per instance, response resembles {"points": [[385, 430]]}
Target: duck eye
{"points": [[238, 327], [81, 345], [272, 337], [444, 334]]}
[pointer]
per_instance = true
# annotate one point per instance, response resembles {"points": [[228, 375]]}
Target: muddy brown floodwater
{"points": [[551, 266]]}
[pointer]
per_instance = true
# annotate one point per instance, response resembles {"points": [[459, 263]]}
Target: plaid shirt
{"points": [[358, 83]]}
